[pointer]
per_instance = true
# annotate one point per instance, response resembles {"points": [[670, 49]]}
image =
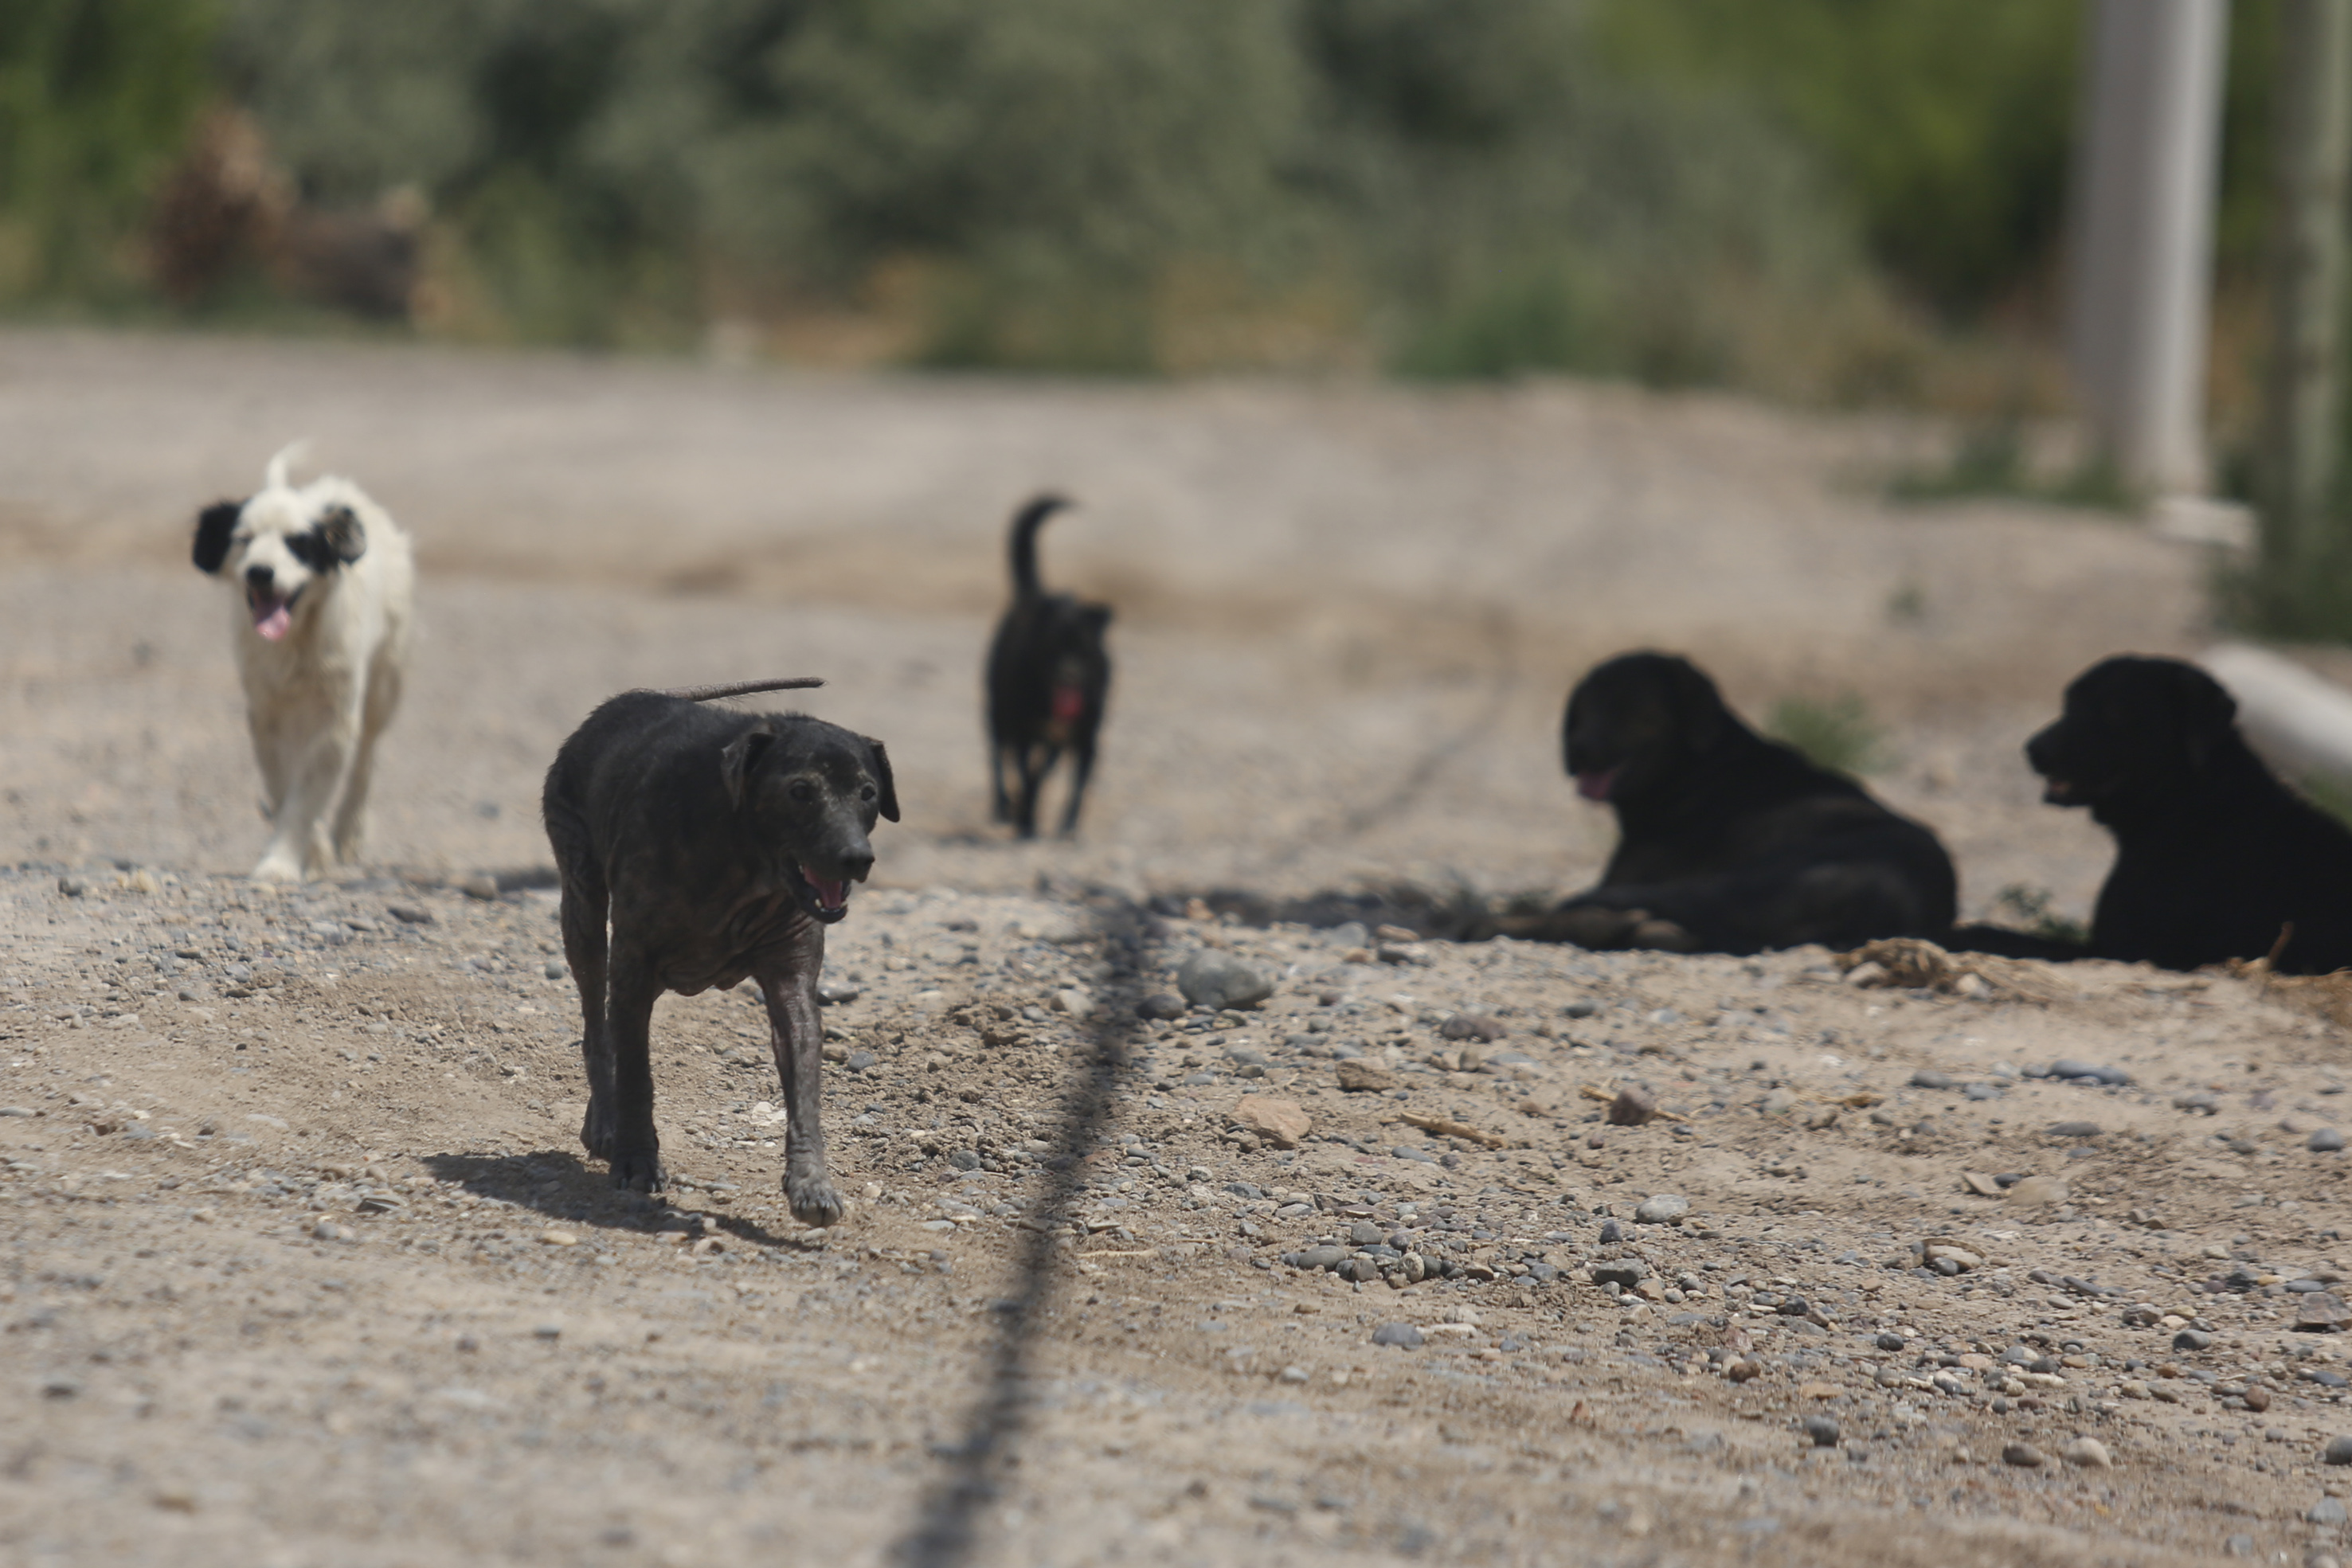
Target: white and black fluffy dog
{"points": [[323, 579]]}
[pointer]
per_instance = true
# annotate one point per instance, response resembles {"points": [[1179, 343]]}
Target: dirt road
{"points": [[305, 1266]]}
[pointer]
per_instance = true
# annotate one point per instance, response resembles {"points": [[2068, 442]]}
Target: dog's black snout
{"points": [[259, 576], [2038, 749], [856, 861]]}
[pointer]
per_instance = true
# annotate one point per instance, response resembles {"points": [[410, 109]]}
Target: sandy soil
{"points": [[307, 1268]]}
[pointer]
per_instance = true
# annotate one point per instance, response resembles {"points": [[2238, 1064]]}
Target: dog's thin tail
{"points": [[1025, 524], [741, 688], [274, 476]]}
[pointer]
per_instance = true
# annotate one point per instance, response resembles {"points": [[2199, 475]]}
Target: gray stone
{"points": [[2192, 1339], [965, 1160], [1324, 1256], [1610, 1231], [2319, 1312], [2338, 1450], [1214, 979], [1928, 1078], [1474, 1026], [1822, 1430], [1625, 1272], [1161, 1004], [2025, 1456], [2066, 1067], [1404, 1337], [831, 993], [860, 1060], [1665, 1209], [2327, 1511], [72, 886], [2326, 1141], [1364, 1233]]}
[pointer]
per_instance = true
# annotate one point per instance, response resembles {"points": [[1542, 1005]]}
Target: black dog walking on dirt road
{"points": [[1048, 679], [2215, 858], [718, 846], [1729, 842]]}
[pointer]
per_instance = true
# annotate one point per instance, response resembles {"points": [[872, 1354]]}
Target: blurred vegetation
{"points": [[95, 98], [1839, 735], [1814, 197], [2034, 909]]}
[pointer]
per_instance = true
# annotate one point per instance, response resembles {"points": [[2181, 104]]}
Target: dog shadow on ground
{"points": [[559, 1186]]}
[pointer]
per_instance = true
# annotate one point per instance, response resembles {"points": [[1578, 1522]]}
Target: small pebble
{"points": [[2192, 1339], [2327, 1511], [2339, 1450], [2326, 1141], [2025, 1456], [1403, 1335], [1161, 1004], [1611, 1230], [2088, 1453], [1928, 1078], [1665, 1209], [1822, 1430]]}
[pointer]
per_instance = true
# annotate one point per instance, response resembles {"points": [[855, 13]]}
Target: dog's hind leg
{"points": [[351, 810], [791, 995], [1082, 767], [584, 902], [631, 988]]}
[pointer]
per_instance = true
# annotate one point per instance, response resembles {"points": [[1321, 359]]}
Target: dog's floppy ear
{"points": [[888, 786], [2207, 713], [340, 530], [742, 756], [213, 525]]}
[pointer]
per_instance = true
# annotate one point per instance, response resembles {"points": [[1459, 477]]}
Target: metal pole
{"points": [[2144, 234], [2301, 420]]}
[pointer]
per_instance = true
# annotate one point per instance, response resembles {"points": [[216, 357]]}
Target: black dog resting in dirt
{"points": [[2215, 858], [1048, 678], [1729, 842], [719, 845]]}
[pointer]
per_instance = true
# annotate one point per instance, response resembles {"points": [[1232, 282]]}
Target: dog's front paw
{"points": [[639, 1172], [812, 1199], [1661, 935], [1593, 925], [278, 865], [596, 1132]]}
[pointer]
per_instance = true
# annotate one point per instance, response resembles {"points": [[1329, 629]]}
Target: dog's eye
{"points": [[802, 792], [866, 793]]}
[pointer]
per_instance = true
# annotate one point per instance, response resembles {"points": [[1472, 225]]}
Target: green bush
{"points": [[96, 98]]}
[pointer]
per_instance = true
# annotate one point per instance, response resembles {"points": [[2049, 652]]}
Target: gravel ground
{"points": [[307, 1267]]}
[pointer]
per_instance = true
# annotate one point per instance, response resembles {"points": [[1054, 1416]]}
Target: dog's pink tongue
{"points": [[276, 624], [830, 894]]}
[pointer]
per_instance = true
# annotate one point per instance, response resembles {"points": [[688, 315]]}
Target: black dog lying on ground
{"points": [[2215, 858], [1729, 842], [1048, 679], [719, 845]]}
